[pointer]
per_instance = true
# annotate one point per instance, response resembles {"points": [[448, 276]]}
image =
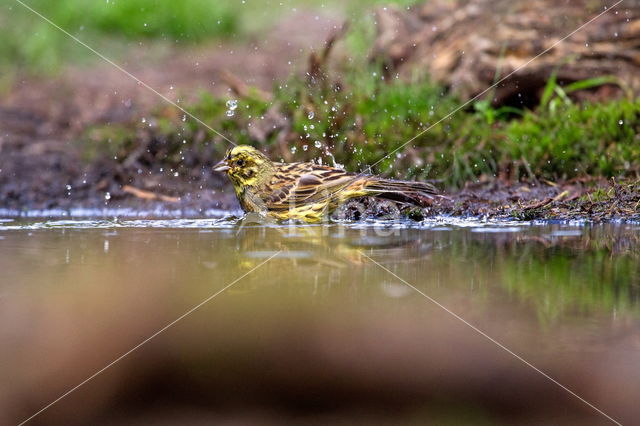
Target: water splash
{"points": [[232, 105]]}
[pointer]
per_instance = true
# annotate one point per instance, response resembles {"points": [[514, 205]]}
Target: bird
{"points": [[306, 191]]}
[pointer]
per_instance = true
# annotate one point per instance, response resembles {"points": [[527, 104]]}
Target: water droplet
{"points": [[232, 104], [310, 115], [107, 196], [230, 113], [293, 149], [318, 144], [305, 147], [620, 122], [144, 120]]}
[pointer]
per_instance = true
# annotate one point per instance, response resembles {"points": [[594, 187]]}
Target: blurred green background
{"points": [[31, 44]]}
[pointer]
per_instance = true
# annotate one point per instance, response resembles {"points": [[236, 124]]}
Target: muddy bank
{"points": [[63, 182]]}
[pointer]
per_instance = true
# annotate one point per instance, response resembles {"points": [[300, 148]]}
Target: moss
{"points": [[414, 213]]}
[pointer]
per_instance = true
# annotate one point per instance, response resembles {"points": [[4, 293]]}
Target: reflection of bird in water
{"points": [[337, 246], [308, 191]]}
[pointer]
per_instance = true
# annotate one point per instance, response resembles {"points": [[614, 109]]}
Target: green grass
{"points": [[373, 117], [32, 44]]}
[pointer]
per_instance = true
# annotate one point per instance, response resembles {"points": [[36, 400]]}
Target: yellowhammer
{"points": [[307, 191]]}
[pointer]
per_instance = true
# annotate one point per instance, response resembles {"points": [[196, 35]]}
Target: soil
{"points": [[589, 199]]}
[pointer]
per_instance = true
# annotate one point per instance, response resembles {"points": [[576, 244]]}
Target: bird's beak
{"points": [[221, 166]]}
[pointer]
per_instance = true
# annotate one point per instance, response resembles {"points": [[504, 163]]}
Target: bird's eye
{"points": [[240, 163]]}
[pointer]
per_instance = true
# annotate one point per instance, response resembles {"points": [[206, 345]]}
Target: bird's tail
{"points": [[416, 193]]}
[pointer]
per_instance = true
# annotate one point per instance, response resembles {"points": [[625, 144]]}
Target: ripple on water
{"points": [[229, 222], [493, 229], [567, 233], [116, 223], [120, 212], [293, 254]]}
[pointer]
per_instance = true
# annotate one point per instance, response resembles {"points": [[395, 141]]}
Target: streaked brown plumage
{"points": [[307, 191]]}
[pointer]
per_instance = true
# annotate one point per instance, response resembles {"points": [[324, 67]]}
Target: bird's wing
{"points": [[301, 184]]}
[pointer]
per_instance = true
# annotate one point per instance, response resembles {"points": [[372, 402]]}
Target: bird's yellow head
{"points": [[245, 166]]}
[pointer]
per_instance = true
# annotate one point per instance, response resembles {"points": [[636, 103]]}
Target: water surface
{"points": [[325, 320]]}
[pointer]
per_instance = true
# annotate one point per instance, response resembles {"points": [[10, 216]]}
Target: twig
{"points": [[243, 90], [561, 195], [539, 204], [147, 195], [525, 163], [318, 61]]}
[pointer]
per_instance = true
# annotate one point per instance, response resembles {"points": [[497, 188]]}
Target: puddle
{"points": [[84, 290]]}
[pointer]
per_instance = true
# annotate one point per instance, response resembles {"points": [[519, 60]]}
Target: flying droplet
{"points": [[310, 115]]}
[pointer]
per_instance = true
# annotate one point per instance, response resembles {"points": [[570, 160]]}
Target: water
{"points": [[329, 321]]}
